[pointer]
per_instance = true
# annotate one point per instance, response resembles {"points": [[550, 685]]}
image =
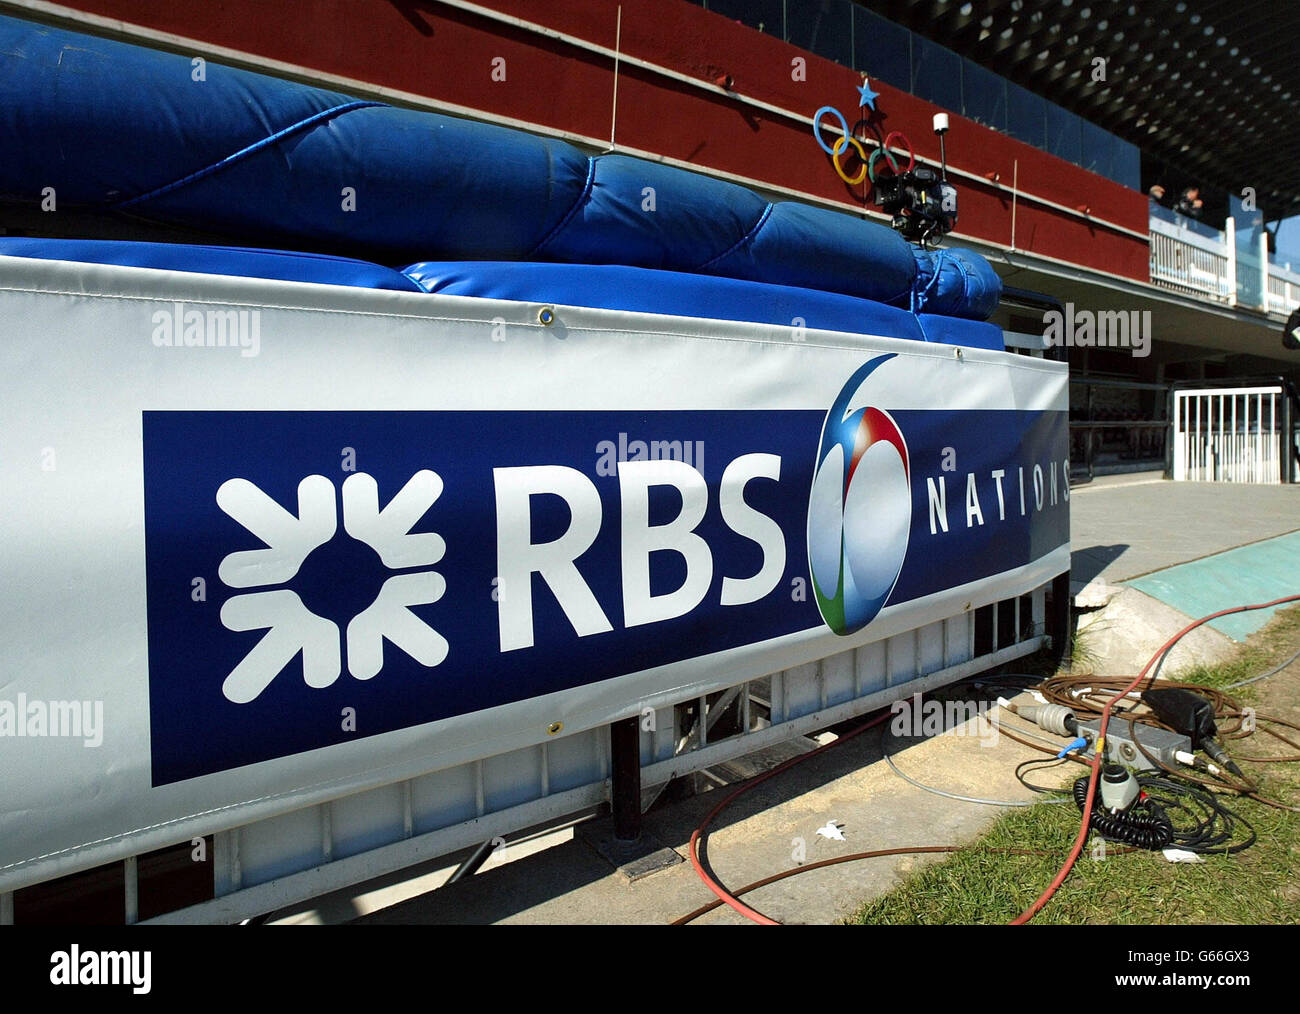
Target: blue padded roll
{"points": [[644, 290], [693, 218], [956, 282], [113, 126], [213, 260], [819, 249], [974, 334]]}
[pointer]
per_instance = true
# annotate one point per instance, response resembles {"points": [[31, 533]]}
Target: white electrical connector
{"points": [[1192, 761]]}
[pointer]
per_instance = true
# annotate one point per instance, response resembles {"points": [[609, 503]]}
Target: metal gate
{"points": [[1232, 434]]}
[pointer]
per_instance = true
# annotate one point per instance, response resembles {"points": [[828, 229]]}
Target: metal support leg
{"points": [[1058, 622], [474, 861], [625, 750], [633, 854]]}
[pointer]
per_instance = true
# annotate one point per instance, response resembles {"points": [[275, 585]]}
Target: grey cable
{"points": [[1264, 675], [953, 795]]}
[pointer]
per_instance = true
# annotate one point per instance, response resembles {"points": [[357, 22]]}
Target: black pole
{"points": [[625, 752], [1171, 407], [1286, 473], [1058, 621], [474, 861]]}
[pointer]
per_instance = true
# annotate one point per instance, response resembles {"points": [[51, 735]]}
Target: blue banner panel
{"points": [[315, 577]]}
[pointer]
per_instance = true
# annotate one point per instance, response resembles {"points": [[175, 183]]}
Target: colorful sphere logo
{"points": [[860, 508]]}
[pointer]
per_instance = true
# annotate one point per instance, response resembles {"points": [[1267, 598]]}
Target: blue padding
{"points": [[816, 248], [642, 290], [955, 282], [213, 260], [974, 334], [274, 162], [693, 218]]}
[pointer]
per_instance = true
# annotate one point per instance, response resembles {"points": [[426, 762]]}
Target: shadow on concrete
{"points": [[1085, 564], [497, 894], [493, 895]]}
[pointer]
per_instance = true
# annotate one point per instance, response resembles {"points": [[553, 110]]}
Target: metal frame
{"points": [[291, 858]]}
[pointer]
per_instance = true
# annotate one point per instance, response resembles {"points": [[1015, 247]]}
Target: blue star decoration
{"points": [[868, 97]]}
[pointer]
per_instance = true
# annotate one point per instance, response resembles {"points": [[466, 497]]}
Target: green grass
{"points": [[1270, 646], [980, 885], [1082, 657], [1258, 885]]}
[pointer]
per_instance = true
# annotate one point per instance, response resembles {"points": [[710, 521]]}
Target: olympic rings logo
{"points": [[848, 140]]}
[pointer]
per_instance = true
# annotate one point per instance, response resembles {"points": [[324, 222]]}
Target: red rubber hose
{"points": [[700, 831]]}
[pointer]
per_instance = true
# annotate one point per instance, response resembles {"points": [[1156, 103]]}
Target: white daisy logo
{"points": [[290, 626]]}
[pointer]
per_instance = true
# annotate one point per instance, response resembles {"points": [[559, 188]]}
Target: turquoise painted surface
{"points": [[1260, 572]]}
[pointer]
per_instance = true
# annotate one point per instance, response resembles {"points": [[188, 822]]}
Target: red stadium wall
{"points": [[447, 53]]}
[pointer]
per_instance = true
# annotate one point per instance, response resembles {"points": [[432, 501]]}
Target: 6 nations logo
{"points": [[860, 508]]}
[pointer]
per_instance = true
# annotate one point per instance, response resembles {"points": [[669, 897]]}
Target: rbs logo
{"points": [[860, 508], [555, 562], [460, 569]]}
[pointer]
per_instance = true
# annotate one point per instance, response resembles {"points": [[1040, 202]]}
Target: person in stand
{"points": [[1161, 196], [1190, 203]]}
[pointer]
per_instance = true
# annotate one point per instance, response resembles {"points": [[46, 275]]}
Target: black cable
{"points": [[1141, 825], [1264, 675], [1002, 682], [1213, 824], [1203, 824], [1043, 763], [1155, 672]]}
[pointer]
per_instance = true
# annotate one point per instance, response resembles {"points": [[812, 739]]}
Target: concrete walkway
{"points": [[1122, 530], [1149, 556]]}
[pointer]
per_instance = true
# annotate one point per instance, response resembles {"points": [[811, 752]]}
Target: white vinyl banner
{"points": [[269, 543]]}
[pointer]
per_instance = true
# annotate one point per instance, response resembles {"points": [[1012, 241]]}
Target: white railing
{"points": [[1283, 290], [1198, 261], [1229, 434], [1190, 263]]}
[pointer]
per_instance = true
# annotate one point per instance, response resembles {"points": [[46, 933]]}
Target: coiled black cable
{"points": [[1204, 826], [1144, 825], [1212, 826]]}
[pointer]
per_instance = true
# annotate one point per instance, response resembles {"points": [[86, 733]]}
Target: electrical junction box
{"points": [[1159, 743]]}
